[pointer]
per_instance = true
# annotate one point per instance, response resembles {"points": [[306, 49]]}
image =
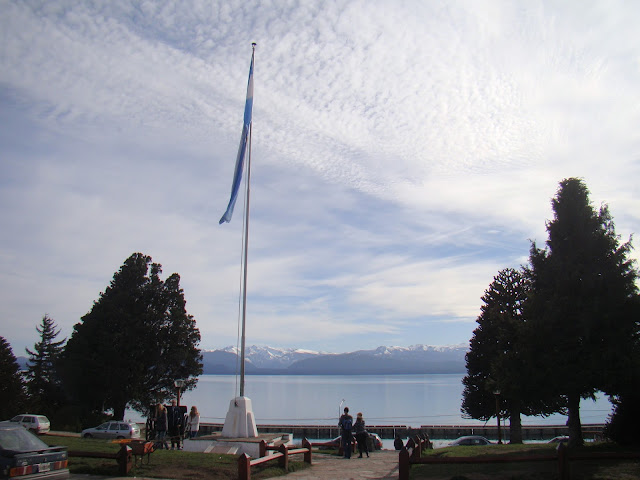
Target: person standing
{"points": [[161, 427], [346, 425], [194, 421], [175, 425], [361, 435]]}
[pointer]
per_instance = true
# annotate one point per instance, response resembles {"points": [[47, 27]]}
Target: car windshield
{"points": [[18, 439]]}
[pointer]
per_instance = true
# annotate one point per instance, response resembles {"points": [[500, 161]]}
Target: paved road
{"points": [[382, 464]]}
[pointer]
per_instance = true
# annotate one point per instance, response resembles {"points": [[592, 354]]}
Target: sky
{"points": [[403, 153]]}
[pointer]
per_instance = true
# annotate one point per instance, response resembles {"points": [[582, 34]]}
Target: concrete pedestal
{"points": [[240, 422]]}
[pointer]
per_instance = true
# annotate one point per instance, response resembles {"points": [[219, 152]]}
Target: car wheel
{"points": [[88, 435]]}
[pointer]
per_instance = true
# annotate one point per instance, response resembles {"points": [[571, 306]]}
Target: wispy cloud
{"points": [[403, 154]]}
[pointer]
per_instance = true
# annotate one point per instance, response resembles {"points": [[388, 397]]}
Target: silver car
{"points": [[470, 440], [113, 429], [33, 423]]}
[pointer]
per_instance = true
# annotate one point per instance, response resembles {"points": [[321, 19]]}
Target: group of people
{"points": [[171, 420], [348, 429]]}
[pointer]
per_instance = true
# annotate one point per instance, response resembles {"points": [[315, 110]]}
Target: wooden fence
{"points": [[282, 456], [411, 454]]}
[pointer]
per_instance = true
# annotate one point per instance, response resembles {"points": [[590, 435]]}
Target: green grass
{"points": [[172, 464], [579, 470]]}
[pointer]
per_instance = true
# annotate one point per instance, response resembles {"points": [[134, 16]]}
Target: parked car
{"points": [[561, 439], [375, 440], [470, 440], [34, 423], [113, 429], [23, 456]]}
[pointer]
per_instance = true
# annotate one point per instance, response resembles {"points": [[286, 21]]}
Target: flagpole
{"points": [[246, 253], [240, 421]]}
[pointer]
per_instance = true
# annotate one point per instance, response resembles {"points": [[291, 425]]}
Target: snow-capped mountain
{"points": [[382, 360], [271, 357]]}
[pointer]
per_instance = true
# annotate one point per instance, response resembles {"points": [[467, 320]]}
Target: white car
{"points": [[33, 423], [113, 429]]}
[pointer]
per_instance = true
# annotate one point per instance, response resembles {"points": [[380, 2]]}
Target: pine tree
{"points": [[497, 358], [579, 321], [43, 382], [12, 389], [134, 343]]}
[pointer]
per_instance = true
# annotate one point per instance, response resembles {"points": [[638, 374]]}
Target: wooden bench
{"points": [[123, 457], [140, 448], [282, 456]]}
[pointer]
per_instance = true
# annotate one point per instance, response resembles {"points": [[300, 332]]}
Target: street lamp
{"points": [[497, 394], [179, 384]]}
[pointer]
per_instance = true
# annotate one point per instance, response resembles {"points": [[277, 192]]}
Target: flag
{"points": [[237, 174]]}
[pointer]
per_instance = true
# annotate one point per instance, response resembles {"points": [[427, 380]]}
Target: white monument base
{"points": [[240, 422]]}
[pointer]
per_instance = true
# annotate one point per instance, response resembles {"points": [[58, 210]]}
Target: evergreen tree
{"points": [[12, 390], [43, 382], [582, 283], [624, 423], [496, 380], [134, 343]]}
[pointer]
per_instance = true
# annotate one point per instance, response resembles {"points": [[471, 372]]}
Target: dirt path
{"points": [[382, 464]]}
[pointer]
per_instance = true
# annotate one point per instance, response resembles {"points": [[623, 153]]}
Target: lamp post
{"points": [[179, 384], [497, 394]]}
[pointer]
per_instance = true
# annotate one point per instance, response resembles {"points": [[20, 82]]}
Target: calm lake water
{"points": [[411, 400]]}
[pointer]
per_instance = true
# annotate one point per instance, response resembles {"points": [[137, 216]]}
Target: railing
{"points": [[282, 456], [412, 455], [123, 457]]}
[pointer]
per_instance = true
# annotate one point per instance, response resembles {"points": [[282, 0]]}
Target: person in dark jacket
{"points": [[346, 425], [161, 427], [174, 414], [361, 435]]}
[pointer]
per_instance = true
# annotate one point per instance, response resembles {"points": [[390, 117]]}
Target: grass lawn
{"points": [[168, 464], [592, 469]]}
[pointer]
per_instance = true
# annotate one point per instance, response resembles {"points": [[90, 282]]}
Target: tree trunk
{"points": [[573, 421], [515, 423], [118, 412]]}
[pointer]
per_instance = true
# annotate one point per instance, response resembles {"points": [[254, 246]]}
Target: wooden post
{"points": [[244, 467], [307, 455], [563, 462], [417, 452], [124, 460], [284, 459], [263, 448], [403, 464]]}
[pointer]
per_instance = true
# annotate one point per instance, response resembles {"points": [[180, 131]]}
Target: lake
{"points": [[412, 400]]}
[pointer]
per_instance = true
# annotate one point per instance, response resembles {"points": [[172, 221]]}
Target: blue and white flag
{"points": [[237, 175]]}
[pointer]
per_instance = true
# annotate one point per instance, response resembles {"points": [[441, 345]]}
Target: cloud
{"points": [[402, 155]]}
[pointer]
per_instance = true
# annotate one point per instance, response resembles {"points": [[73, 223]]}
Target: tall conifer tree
{"points": [[42, 378], [582, 283], [134, 343], [12, 389]]}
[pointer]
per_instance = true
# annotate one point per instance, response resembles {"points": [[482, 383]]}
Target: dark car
{"points": [[470, 440], [374, 439], [24, 456], [561, 439]]}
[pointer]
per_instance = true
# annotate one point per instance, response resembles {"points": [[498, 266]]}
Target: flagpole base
{"points": [[240, 422]]}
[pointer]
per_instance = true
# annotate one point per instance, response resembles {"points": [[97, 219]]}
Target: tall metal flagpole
{"points": [[240, 421], [246, 252]]}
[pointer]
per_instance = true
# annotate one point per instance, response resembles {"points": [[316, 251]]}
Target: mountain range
{"points": [[380, 361]]}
